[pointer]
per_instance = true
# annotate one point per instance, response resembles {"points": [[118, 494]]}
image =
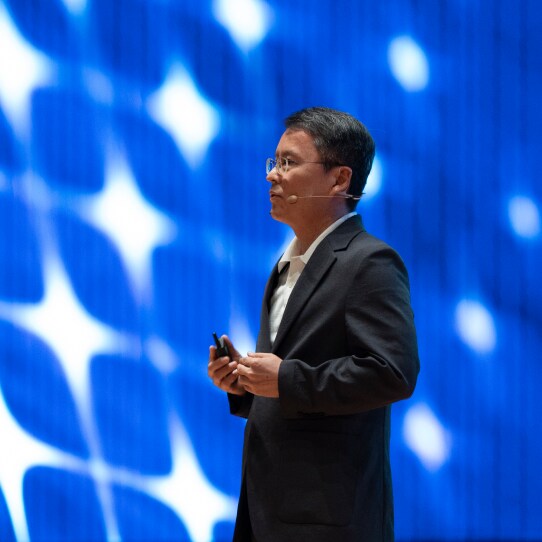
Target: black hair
{"points": [[341, 140]]}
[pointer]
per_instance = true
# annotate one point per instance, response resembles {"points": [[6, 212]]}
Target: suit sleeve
{"points": [[240, 404], [381, 365]]}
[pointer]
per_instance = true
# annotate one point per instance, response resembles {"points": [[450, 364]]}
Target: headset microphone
{"points": [[294, 198]]}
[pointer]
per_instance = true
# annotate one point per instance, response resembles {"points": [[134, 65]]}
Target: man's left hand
{"points": [[259, 373]]}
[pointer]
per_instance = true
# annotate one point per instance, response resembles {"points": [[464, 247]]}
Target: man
{"points": [[336, 347]]}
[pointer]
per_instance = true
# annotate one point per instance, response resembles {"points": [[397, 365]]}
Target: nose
{"points": [[273, 176]]}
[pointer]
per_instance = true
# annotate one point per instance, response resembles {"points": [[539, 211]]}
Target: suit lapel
{"points": [[316, 268], [320, 262], [264, 341]]}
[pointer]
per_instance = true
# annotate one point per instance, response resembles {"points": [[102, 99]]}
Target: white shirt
{"points": [[288, 280]]}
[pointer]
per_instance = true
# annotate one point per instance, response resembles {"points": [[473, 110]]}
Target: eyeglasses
{"points": [[283, 165]]}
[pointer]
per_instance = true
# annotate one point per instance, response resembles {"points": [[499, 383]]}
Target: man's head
{"points": [[321, 164], [341, 140]]}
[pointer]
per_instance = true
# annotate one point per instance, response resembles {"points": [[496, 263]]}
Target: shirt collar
{"points": [[292, 251]]}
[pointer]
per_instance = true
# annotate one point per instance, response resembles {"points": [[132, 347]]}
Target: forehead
{"points": [[297, 143]]}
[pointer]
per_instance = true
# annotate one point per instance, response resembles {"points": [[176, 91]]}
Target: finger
{"points": [[217, 364], [212, 353], [257, 354], [218, 375], [257, 357], [245, 371], [252, 363], [229, 380], [256, 365], [213, 363], [247, 361]]}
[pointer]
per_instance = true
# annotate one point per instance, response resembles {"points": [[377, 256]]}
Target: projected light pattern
{"points": [[475, 326], [246, 20], [426, 437], [524, 216], [408, 63], [134, 221]]}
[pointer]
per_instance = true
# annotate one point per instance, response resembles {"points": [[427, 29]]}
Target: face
{"points": [[306, 176]]}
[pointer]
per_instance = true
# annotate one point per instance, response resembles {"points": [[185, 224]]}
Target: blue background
{"points": [[134, 221]]}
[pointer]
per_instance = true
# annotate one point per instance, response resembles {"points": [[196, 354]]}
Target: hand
{"points": [[223, 371], [259, 374]]}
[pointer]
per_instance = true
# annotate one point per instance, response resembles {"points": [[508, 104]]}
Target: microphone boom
{"points": [[293, 198]]}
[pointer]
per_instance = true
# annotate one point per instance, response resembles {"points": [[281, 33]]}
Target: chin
{"points": [[280, 217], [276, 215]]}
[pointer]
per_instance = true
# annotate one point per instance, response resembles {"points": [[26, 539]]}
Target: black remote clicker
{"points": [[221, 347]]}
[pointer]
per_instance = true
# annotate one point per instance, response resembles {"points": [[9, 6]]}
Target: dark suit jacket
{"points": [[316, 460]]}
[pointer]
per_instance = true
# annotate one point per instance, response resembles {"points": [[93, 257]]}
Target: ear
{"points": [[343, 176]]}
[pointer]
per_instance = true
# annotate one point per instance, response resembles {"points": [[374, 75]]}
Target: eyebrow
{"points": [[288, 154]]}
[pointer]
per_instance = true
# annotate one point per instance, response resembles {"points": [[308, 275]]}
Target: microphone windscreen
{"points": [[292, 199]]}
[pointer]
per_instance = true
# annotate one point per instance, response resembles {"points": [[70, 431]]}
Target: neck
{"points": [[308, 232]]}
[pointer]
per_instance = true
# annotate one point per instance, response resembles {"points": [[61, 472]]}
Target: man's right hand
{"points": [[223, 371]]}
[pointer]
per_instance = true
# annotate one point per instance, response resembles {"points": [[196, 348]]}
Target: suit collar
{"points": [[321, 261], [292, 250], [343, 235]]}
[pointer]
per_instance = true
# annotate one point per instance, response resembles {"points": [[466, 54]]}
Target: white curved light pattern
{"points": [[408, 63], [130, 220], [75, 336], [374, 181], [247, 21], [475, 326], [22, 68], [24, 452], [524, 217], [200, 508], [181, 110], [426, 437], [202, 505], [61, 321]]}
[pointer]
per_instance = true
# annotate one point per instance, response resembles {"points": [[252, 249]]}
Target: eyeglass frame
{"points": [[282, 165]]}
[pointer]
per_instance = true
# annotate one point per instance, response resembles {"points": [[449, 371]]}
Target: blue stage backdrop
{"points": [[134, 222]]}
